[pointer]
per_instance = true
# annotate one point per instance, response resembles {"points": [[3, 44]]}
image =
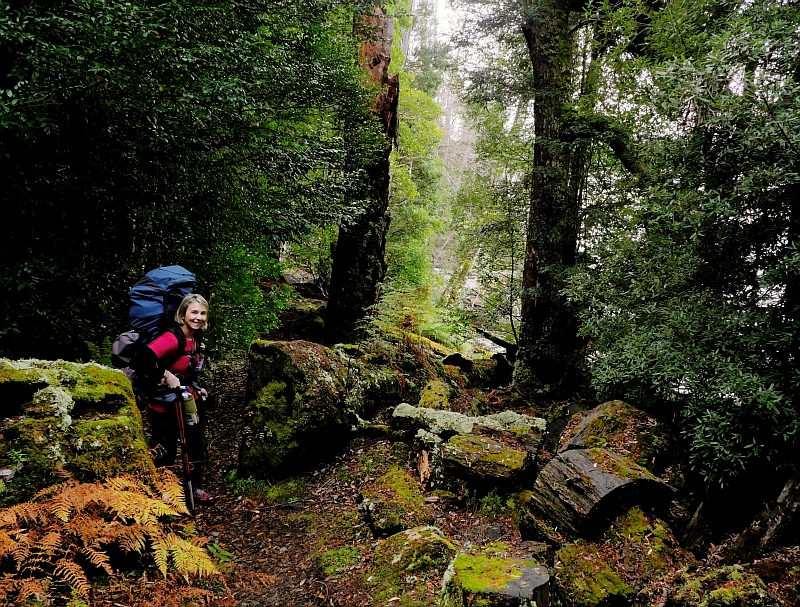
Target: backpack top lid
{"points": [[155, 299]]}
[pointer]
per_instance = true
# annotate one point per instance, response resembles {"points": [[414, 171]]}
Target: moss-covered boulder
{"points": [[435, 395], [484, 458], [418, 550], [636, 551], [587, 580], [302, 401], [729, 586], [623, 429], [407, 565], [487, 580], [394, 502], [62, 418]]}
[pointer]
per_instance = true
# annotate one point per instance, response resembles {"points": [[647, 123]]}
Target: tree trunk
{"points": [[548, 329], [358, 260]]}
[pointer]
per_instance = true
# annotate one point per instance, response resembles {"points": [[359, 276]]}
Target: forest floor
{"points": [[271, 541]]}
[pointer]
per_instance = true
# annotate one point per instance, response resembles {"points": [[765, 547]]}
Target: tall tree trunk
{"points": [[358, 260], [548, 330]]}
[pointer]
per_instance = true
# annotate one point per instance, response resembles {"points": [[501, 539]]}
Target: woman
{"points": [[180, 369]]}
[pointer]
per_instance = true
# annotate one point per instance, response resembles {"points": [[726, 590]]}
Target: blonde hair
{"points": [[180, 315]]}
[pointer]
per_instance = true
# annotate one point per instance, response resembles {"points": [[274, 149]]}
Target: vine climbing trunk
{"points": [[358, 259], [548, 342]]}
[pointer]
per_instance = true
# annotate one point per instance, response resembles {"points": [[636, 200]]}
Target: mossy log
{"points": [[623, 429], [581, 489]]}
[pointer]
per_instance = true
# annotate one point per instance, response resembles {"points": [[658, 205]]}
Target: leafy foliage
{"points": [[138, 134], [54, 539], [693, 301]]}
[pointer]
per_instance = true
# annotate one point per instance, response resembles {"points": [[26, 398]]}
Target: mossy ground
{"points": [[730, 586], [636, 550]]}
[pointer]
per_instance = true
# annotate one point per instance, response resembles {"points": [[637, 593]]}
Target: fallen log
{"points": [[581, 489]]}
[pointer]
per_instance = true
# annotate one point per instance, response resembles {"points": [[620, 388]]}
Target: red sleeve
{"points": [[165, 344]]}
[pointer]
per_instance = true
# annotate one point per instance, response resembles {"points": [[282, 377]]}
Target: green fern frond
{"points": [[161, 554], [189, 559]]}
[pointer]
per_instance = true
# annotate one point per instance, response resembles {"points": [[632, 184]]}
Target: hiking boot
{"points": [[202, 497]]}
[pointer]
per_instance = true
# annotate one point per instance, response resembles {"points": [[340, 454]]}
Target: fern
{"points": [[99, 559], [27, 588], [73, 574], [189, 558], [73, 523]]}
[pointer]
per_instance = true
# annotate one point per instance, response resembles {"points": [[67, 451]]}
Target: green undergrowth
{"points": [[285, 492]]}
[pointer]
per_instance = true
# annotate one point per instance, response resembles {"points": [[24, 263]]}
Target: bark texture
{"points": [[359, 258], [581, 489], [548, 330]]}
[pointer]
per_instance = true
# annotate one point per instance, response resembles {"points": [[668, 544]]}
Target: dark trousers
{"points": [[164, 442]]}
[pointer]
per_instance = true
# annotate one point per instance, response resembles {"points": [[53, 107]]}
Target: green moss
{"points": [[332, 561], [650, 541], [729, 586], [394, 502], [417, 550], [484, 456], [616, 465], [587, 578], [475, 576], [435, 395]]}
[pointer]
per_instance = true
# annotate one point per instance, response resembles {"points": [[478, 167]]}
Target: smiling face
{"points": [[196, 315]]}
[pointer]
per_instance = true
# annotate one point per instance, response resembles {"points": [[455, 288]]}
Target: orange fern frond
{"points": [[26, 512], [50, 544], [7, 544], [73, 574], [130, 538], [99, 559], [28, 587], [85, 528], [22, 550]]}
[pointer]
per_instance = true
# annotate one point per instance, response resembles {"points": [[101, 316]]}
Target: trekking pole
{"points": [[187, 468]]}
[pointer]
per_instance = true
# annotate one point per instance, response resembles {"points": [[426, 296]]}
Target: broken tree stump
{"points": [[581, 489]]}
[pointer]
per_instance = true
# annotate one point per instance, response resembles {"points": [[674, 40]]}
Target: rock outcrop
{"points": [[302, 401], [62, 417]]}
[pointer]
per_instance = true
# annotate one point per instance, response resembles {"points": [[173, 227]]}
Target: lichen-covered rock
{"points": [[620, 428], [448, 423], [581, 489], [483, 458], [62, 417], [394, 502], [729, 586], [302, 401], [435, 395], [637, 550], [491, 581]]}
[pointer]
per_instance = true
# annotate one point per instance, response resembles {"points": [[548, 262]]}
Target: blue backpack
{"points": [[154, 299]]}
